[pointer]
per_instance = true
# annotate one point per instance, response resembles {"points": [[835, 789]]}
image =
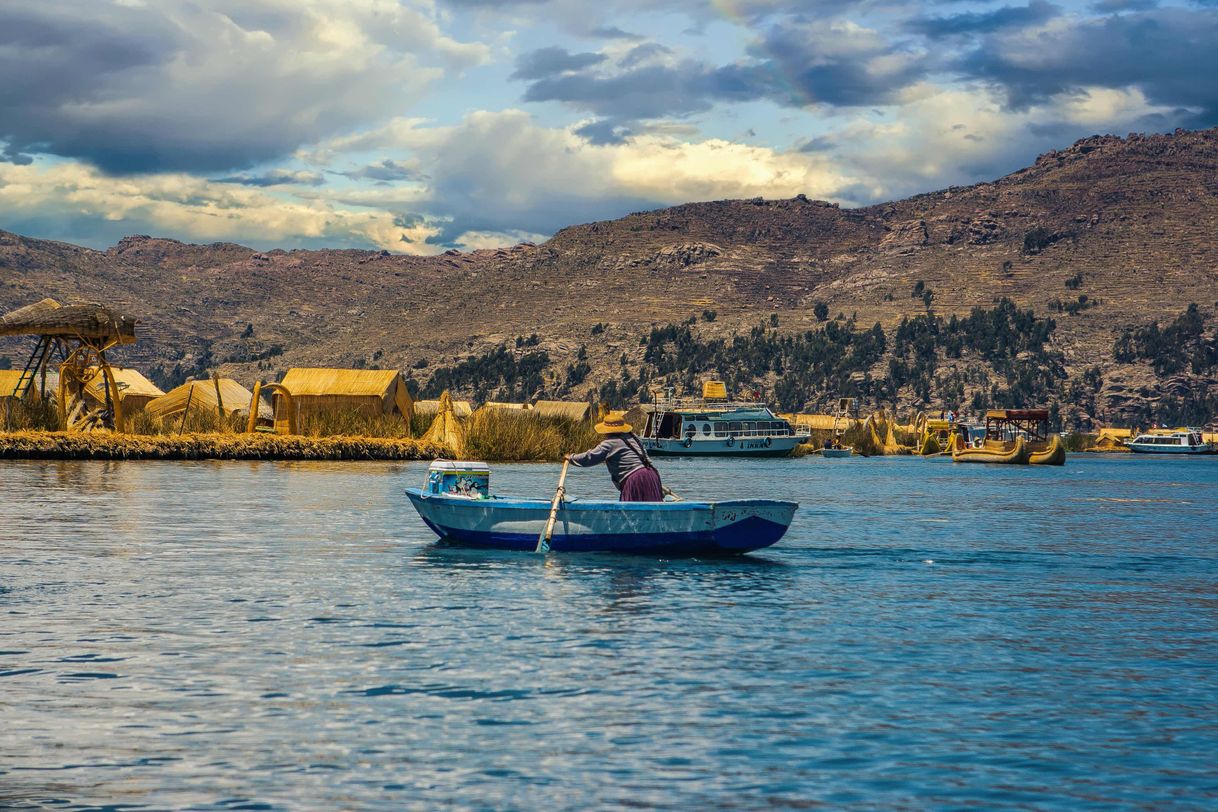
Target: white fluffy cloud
{"points": [[103, 207], [959, 136], [498, 172]]}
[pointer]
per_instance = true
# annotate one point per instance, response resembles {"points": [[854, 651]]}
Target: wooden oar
{"points": [[543, 541], [674, 496]]}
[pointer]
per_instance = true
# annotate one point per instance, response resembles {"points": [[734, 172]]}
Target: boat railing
{"points": [[708, 406]]}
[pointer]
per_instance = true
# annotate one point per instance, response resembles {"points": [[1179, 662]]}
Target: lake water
{"points": [[288, 636]]}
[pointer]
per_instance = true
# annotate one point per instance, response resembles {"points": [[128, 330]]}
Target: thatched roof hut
{"points": [[371, 392], [507, 407], [233, 398], [134, 390], [92, 321], [568, 410], [9, 379]]}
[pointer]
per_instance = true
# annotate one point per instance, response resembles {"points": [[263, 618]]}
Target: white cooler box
{"points": [[470, 480]]}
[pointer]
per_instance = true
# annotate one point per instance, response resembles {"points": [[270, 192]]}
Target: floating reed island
{"points": [[202, 427], [96, 446]]}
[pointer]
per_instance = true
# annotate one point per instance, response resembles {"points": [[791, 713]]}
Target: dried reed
{"points": [[511, 436], [227, 446]]}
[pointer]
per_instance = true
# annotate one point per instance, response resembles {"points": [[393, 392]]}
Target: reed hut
{"points": [[507, 407], [134, 390], [430, 408], [576, 411], [209, 395], [370, 392], [9, 380], [446, 428]]}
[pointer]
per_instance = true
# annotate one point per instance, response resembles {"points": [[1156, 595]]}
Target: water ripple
{"points": [[288, 635]]}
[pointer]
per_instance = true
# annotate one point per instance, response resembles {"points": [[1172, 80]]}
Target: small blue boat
{"points": [[467, 515]]}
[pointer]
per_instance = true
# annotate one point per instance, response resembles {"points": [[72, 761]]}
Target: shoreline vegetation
{"points": [[493, 435], [490, 435]]}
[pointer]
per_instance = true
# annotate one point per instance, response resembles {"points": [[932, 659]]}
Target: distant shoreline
{"points": [[42, 445]]}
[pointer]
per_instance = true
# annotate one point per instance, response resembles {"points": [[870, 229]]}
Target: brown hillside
{"points": [[1136, 217]]}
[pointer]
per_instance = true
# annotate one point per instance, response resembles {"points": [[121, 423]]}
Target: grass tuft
{"points": [[510, 436]]}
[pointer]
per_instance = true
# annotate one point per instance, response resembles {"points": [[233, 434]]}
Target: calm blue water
{"points": [[928, 635]]}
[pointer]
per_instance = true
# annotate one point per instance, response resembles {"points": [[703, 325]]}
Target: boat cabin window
{"points": [[706, 429], [734, 426], [721, 429]]}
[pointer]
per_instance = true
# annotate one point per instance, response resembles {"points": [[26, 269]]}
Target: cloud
{"points": [[612, 32], [277, 177], [793, 64], [551, 61], [85, 205], [963, 136], [1170, 55], [212, 85], [981, 22], [502, 172], [1116, 6], [386, 170]]}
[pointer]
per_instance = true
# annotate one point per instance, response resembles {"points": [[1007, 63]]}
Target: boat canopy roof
{"points": [[717, 412]]}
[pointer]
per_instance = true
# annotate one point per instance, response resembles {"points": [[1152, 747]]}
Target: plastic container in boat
{"points": [[471, 480]]}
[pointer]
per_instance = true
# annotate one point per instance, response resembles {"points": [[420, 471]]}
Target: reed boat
{"points": [[1052, 452], [715, 426], [457, 505], [1011, 452], [1014, 437]]}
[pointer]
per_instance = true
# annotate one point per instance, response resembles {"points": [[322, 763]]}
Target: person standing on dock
{"points": [[629, 466]]}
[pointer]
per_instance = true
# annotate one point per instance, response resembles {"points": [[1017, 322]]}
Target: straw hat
{"points": [[614, 423]]}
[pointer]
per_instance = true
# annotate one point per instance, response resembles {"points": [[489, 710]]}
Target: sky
{"points": [[416, 126]]}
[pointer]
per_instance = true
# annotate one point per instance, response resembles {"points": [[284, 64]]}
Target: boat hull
{"points": [[710, 447], [836, 453], [1016, 453], [1054, 453], [654, 528]]}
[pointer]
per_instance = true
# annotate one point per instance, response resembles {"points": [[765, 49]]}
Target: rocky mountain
{"points": [[1107, 236]]}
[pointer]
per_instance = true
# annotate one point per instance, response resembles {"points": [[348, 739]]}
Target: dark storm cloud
{"points": [[983, 22], [181, 86], [652, 91], [386, 171], [840, 65], [613, 32], [1115, 6], [276, 177], [604, 131], [795, 64], [1170, 54], [546, 62]]}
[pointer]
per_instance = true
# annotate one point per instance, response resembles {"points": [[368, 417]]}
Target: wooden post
{"points": [[215, 379], [112, 394], [251, 425], [186, 412]]}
